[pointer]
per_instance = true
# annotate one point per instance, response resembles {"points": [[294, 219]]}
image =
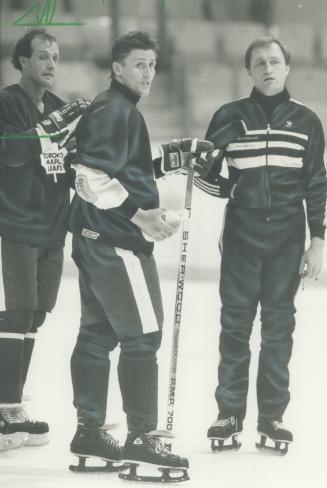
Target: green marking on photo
{"points": [[42, 17], [17, 137]]}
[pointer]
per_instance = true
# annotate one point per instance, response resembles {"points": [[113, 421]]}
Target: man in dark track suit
{"points": [[114, 218], [276, 165], [34, 201]]}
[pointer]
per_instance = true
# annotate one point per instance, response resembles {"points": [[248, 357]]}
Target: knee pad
{"points": [[143, 346], [16, 321], [38, 319], [99, 334]]}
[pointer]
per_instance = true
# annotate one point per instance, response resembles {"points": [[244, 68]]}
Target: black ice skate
{"points": [[147, 450], [275, 431], [222, 430], [16, 421], [95, 442]]}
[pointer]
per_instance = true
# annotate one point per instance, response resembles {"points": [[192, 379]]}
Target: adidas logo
{"points": [[138, 441]]}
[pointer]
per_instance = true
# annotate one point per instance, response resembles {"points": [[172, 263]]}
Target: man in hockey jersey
{"points": [[34, 200], [114, 219], [276, 165]]}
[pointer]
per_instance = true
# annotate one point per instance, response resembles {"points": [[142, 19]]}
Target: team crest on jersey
{"points": [[53, 163]]}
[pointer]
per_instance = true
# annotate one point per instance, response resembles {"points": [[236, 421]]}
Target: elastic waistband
{"points": [[269, 213]]}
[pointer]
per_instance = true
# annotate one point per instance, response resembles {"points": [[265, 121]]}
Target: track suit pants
{"points": [[121, 304], [261, 254]]}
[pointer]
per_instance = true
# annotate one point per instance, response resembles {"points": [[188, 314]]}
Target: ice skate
{"points": [[16, 421], [146, 451], [95, 442], [222, 430], [275, 431]]}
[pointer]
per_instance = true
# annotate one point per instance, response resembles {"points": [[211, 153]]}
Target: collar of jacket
{"points": [[124, 90], [275, 100]]}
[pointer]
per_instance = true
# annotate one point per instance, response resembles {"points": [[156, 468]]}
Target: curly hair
{"points": [[24, 45]]}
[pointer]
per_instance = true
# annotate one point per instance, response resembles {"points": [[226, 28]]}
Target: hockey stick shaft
{"points": [[179, 301]]}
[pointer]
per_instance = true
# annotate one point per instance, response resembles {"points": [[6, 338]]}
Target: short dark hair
{"points": [[24, 45], [132, 40], [264, 41]]}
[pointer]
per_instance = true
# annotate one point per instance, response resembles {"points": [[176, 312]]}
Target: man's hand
{"points": [[155, 224], [61, 123], [312, 259], [177, 155]]}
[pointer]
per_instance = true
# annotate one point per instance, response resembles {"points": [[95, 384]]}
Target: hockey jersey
{"points": [[33, 200]]}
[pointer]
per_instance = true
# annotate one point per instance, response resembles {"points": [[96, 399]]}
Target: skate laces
{"points": [[225, 422], [158, 446], [277, 424], [14, 415], [108, 439], [23, 415], [8, 415]]}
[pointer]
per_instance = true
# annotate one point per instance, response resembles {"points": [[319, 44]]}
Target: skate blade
{"points": [[12, 441], [37, 439], [279, 449], [109, 467], [169, 475], [218, 444]]}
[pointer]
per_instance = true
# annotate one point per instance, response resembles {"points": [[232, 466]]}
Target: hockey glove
{"points": [[203, 164], [217, 187], [175, 156], [61, 123]]}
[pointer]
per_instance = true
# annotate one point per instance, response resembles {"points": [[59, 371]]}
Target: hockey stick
{"points": [[221, 137], [179, 301]]}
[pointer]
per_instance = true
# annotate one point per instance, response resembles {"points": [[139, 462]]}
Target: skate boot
{"points": [[147, 450], [16, 421], [93, 441], [275, 431], [222, 430]]}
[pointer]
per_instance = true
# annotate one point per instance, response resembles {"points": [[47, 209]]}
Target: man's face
{"points": [[136, 71], [40, 68], [268, 69]]}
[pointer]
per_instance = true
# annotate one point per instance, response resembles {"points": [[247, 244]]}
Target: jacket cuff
{"points": [[317, 230], [157, 168], [128, 208]]}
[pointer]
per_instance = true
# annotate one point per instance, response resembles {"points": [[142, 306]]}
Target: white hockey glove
{"points": [[96, 187], [177, 155], [61, 123]]}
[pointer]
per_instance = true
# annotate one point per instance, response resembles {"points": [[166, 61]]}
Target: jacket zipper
{"points": [[267, 175]]}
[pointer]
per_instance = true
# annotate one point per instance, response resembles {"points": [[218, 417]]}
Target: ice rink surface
{"points": [[50, 389]]}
